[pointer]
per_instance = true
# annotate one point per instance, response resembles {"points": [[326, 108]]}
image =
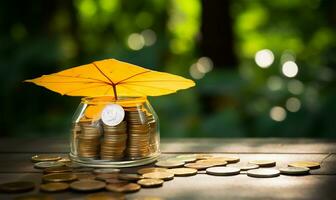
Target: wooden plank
{"points": [[20, 163], [203, 186], [239, 145]]}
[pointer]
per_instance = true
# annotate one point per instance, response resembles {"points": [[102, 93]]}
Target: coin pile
{"points": [[89, 140], [113, 144], [138, 133]]}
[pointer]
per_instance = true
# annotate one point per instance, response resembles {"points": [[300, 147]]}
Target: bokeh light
{"points": [[204, 64], [195, 73], [136, 41], [290, 69], [264, 58], [278, 113], [275, 83], [293, 104], [295, 87], [149, 37]]}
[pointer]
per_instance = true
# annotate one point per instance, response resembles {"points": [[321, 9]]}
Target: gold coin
{"points": [[35, 197], [57, 169], [150, 182], [106, 196], [123, 187], [159, 175], [169, 164], [54, 187], [198, 166], [264, 163], [130, 177], [229, 159], [45, 157], [151, 169], [203, 156], [103, 177], [59, 177], [309, 164], [87, 185], [85, 175], [212, 162], [15, 187], [183, 171]]}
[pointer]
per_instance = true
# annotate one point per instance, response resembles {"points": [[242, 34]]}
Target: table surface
{"points": [[15, 165]]}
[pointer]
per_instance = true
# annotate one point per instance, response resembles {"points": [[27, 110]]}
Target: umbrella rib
{"points": [[157, 81], [132, 76], [103, 74]]}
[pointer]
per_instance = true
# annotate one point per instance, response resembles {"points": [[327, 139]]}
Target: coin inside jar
{"points": [[151, 169], [45, 157], [183, 171], [159, 175], [54, 187], [59, 177], [123, 187], [87, 185], [18, 186], [149, 182]]}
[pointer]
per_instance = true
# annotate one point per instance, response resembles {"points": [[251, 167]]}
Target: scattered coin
{"points": [[183, 171], [45, 157], [184, 158], [247, 167], [64, 159], [35, 197], [106, 170], [159, 175], [223, 171], [203, 156], [229, 159], [106, 196], [60, 169], [151, 169], [87, 185], [54, 187], [149, 182], [47, 164], [263, 173], [123, 187], [59, 177], [294, 170], [169, 164], [103, 177], [15, 187], [212, 162], [130, 177], [309, 164], [85, 176], [264, 163], [115, 180], [198, 166], [83, 169]]}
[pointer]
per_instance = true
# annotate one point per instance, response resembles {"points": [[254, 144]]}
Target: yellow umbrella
{"points": [[112, 78]]}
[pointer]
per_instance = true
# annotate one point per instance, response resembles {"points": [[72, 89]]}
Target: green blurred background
{"points": [[262, 68]]}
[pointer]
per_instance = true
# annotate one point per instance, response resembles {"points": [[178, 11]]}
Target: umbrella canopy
{"points": [[112, 78]]}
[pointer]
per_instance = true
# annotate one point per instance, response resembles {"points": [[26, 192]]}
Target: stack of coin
{"points": [[89, 139], [153, 136], [75, 132], [114, 143], [138, 133]]}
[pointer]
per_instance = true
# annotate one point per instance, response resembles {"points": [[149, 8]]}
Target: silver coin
{"points": [[223, 171], [263, 173], [294, 170], [248, 167], [48, 164]]}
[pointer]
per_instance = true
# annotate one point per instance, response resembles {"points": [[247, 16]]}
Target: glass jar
{"points": [[114, 133]]}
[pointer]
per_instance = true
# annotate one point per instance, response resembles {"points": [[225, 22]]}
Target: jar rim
{"points": [[111, 99]]}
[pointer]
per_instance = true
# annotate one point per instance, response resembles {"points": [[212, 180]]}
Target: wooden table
{"points": [[15, 165]]}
